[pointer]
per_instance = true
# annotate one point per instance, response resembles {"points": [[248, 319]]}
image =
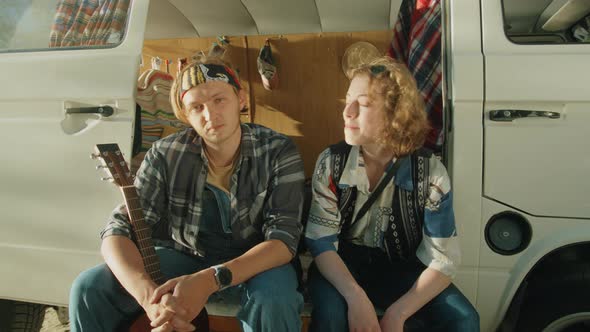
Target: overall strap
{"points": [[391, 170]]}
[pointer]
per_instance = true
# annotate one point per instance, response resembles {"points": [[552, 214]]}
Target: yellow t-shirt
{"points": [[219, 176]]}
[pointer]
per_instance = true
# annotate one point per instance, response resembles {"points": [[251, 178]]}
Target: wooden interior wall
{"points": [[308, 102], [174, 49]]}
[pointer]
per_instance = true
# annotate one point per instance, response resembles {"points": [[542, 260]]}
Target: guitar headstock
{"points": [[113, 163]]}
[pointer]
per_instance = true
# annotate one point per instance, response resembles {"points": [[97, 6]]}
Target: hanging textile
{"points": [[417, 43], [157, 117], [88, 22], [267, 68]]}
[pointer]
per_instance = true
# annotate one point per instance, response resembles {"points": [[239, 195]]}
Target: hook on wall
{"points": [[223, 40], [156, 62]]}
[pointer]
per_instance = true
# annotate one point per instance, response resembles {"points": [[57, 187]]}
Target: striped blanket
{"points": [[417, 43]]}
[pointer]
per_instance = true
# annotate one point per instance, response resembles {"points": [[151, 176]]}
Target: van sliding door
{"points": [[537, 111], [69, 75]]}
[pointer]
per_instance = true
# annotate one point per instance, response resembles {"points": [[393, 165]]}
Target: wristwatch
{"points": [[223, 276]]}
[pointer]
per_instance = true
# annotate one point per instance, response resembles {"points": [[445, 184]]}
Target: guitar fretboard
{"points": [[143, 236]]}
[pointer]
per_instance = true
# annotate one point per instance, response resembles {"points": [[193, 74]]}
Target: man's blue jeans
{"points": [[270, 300]]}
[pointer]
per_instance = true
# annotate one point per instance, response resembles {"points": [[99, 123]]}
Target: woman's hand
{"points": [[392, 320], [361, 314]]}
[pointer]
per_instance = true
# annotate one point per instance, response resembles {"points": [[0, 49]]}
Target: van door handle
{"points": [[510, 115], [102, 110]]}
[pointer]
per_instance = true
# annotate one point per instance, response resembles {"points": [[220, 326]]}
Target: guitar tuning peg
{"points": [[109, 179], [94, 156], [100, 167]]}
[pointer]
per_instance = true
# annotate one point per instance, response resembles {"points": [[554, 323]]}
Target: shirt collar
{"points": [[249, 140], [355, 175]]}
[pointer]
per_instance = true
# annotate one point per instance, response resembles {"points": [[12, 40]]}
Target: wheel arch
{"points": [[571, 260]]}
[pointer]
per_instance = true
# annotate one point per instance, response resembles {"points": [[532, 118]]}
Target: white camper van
{"points": [[516, 133]]}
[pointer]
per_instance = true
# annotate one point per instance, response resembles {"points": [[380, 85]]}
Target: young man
{"points": [[223, 200]]}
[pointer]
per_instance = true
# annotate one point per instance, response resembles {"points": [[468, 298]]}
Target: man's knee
{"points": [[90, 284], [82, 284], [275, 288], [276, 298]]}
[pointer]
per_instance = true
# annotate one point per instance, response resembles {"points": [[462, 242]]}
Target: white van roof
{"points": [[206, 18]]}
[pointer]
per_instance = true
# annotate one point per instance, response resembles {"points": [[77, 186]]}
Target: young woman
{"points": [[381, 225]]}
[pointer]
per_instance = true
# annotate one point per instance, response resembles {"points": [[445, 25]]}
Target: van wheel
{"points": [[21, 316], [557, 309]]}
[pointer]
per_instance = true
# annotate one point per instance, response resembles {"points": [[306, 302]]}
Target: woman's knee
{"points": [[329, 314], [328, 304], [467, 318], [459, 313]]}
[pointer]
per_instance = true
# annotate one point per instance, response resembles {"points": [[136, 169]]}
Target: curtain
{"points": [[88, 22]]}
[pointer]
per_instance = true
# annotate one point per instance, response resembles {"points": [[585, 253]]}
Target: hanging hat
{"points": [[358, 54], [267, 68], [216, 51]]}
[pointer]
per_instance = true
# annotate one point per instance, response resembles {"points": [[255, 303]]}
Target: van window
{"points": [[39, 25], [547, 21]]}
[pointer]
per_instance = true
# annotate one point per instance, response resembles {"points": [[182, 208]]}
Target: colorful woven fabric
{"points": [[157, 117], [417, 43], [88, 22]]}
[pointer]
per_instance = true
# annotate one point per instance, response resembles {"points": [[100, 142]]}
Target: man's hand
{"points": [[189, 292], [361, 315], [167, 311]]}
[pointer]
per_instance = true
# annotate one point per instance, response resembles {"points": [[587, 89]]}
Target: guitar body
{"points": [[112, 161], [142, 323]]}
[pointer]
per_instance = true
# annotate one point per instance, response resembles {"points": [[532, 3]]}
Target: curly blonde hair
{"points": [[175, 98], [406, 120]]}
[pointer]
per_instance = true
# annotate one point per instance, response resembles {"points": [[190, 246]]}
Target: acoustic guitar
{"points": [[114, 164]]}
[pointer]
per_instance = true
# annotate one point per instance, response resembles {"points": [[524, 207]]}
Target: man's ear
{"points": [[243, 100]]}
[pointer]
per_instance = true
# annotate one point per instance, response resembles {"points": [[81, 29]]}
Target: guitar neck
{"points": [[142, 234]]}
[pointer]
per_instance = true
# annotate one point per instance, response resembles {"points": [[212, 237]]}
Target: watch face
{"points": [[224, 275]]}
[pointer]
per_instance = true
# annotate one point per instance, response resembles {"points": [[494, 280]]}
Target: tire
{"points": [[557, 308], [21, 316]]}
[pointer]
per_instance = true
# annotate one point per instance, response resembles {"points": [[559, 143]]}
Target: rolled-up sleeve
{"points": [[150, 184], [283, 208], [439, 248], [323, 224]]}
